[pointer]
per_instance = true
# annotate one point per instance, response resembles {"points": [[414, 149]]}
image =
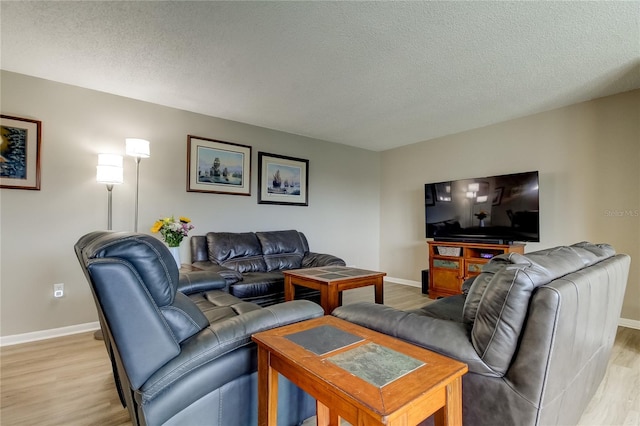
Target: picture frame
{"points": [[516, 191], [443, 192], [497, 196], [20, 148], [429, 199], [283, 180], [218, 167]]}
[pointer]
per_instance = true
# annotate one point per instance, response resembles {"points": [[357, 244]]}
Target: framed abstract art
{"points": [[20, 153]]}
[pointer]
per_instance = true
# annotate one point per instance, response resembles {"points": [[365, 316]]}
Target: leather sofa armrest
{"points": [[449, 338], [213, 358], [200, 281], [199, 252], [314, 260], [229, 275], [224, 337], [293, 311], [237, 331]]}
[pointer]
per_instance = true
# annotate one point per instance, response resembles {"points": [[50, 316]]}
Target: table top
{"points": [[333, 273], [377, 371], [187, 267]]}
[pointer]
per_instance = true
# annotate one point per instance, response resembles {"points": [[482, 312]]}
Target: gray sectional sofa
{"points": [[180, 348], [536, 331], [252, 262]]}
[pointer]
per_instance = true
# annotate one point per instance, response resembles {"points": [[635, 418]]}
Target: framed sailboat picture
{"points": [[283, 180], [218, 167]]}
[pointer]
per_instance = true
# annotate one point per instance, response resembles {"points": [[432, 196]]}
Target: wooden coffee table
{"points": [[360, 375], [331, 281]]}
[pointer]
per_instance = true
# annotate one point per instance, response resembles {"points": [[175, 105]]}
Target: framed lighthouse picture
{"points": [[283, 180], [218, 167]]}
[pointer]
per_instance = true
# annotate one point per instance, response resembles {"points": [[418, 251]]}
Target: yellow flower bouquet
{"points": [[172, 230], [481, 214]]}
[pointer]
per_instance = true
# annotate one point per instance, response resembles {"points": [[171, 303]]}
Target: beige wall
{"points": [[38, 228], [588, 156]]}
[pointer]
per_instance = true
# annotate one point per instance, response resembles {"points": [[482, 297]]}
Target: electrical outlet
{"points": [[58, 290]]}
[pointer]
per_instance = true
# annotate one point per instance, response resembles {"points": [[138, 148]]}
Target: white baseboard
{"points": [[48, 334], [623, 322], [403, 281]]}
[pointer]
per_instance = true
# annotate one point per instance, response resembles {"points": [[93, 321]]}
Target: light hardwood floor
{"points": [[67, 380]]}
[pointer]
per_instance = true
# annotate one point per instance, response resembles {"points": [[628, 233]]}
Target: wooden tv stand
{"points": [[451, 263]]}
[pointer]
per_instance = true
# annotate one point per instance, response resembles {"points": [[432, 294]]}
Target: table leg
{"points": [[325, 416], [380, 291], [451, 413], [267, 390], [332, 299], [289, 289]]}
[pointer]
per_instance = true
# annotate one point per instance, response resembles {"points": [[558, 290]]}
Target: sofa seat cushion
{"points": [[447, 308], [217, 305], [282, 250]]}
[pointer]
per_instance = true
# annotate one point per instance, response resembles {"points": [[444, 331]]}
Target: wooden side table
{"points": [[187, 267], [360, 375], [331, 281]]}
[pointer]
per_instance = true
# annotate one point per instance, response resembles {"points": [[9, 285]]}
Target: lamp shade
{"points": [[137, 147], [109, 169]]}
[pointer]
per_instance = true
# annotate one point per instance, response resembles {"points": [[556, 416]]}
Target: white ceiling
{"points": [[375, 75]]}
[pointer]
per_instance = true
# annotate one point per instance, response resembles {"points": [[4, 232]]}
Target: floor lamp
{"points": [[110, 172], [139, 149]]}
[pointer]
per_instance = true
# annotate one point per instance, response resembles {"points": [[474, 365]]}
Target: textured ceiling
{"points": [[375, 75]]}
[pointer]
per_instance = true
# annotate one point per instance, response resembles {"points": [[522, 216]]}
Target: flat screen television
{"points": [[496, 209]]}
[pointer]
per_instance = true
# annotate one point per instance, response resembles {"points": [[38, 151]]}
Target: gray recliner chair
{"points": [[181, 350], [536, 331]]}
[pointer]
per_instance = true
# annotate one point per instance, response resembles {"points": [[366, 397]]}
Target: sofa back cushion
{"points": [[498, 300], [147, 255], [134, 280], [240, 252], [282, 250]]}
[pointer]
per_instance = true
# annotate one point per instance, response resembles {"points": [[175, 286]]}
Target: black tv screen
{"points": [[496, 209]]}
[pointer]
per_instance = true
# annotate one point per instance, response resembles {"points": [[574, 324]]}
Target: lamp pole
{"points": [[109, 171], [109, 204], [138, 149], [135, 223]]}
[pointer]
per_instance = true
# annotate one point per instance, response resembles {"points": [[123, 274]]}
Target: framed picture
{"points": [[218, 167], [20, 153], [283, 180], [516, 191], [443, 192], [497, 196], [428, 195]]}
